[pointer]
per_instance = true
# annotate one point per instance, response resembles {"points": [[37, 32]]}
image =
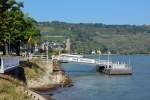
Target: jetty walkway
{"points": [[81, 59]]}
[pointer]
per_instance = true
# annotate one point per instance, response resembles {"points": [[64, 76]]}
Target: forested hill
{"points": [[86, 37]]}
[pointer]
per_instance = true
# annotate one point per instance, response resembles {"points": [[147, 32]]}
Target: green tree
{"points": [[14, 26]]}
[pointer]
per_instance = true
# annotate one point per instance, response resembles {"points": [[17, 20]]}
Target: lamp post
{"points": [[47, 47], [20, 46], [9, 45], [47, 51]]}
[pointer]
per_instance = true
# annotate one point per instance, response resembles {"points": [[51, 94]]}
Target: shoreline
{"points": [[40, 79], [53, 79]]}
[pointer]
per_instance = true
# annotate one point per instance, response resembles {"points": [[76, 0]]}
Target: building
{"points": [[68, 44]]}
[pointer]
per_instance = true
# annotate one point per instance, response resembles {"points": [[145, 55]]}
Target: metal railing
{"points": [[41, 57], [8, 62]]}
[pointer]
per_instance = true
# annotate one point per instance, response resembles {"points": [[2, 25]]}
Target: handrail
{"points": [[8, 63]]}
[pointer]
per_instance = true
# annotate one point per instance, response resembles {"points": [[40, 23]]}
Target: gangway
{"points": [[8, 63], [79, 58], [106, 66]]}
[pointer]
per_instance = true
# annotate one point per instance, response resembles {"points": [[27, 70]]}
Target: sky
{"points": [[90, 11]]}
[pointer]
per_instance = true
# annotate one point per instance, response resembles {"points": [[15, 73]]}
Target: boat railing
{"points": [[121, 66]]}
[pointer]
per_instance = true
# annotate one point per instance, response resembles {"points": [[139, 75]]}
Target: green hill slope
{"points": [[86, 37]]}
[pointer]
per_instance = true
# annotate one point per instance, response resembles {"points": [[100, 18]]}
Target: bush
{"points": [[31, 70]]}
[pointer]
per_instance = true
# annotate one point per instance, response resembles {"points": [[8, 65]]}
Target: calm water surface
{"points": [[91, 85]]}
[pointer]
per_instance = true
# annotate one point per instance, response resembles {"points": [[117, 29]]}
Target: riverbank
{"points": [[51, 77], [10, 88], [31, 79]]}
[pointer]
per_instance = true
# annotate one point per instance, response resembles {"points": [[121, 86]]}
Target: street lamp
{"points": [[9, 45]]}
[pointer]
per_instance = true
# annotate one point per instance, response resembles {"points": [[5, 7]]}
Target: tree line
{"points": [[124, 39], [15, 27]]}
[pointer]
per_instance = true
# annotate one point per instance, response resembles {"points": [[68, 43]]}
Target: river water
{"points": [[92, 85]]}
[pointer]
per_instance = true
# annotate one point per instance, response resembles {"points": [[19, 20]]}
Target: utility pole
{"points": [[47, 47]]}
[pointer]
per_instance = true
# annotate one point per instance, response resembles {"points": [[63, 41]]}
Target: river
{"points": [[92, 85]]}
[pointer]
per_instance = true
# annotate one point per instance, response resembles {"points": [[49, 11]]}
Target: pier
{"points": [[105, 66], [81, 59]]}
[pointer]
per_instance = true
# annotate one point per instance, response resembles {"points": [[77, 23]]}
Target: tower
{"points": [[68, 44]]}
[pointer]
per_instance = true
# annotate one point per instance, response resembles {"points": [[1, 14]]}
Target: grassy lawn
{"points": [[10, 91]]}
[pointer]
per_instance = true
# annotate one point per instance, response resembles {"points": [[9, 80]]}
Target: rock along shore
{"points": [[53, 77]]}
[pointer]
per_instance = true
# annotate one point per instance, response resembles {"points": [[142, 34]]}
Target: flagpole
{"points": [[108, 57], [99, 56]]}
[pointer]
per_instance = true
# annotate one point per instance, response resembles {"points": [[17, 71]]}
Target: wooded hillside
{"points": [[122, 39]]}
